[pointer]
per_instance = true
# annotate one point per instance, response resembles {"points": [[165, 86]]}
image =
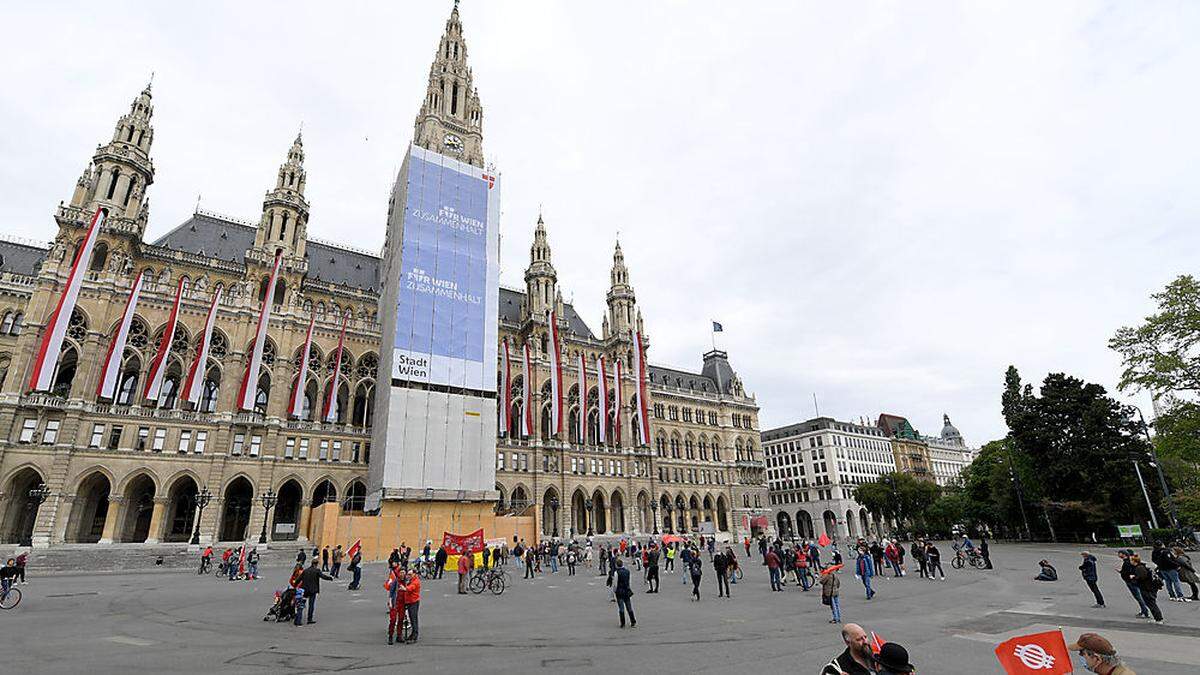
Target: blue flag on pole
{"points": [[717, 328]]}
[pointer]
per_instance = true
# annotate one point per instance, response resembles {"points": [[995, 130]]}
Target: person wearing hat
{"points": [[1099, 656], [1088, 570], [892, 658]]}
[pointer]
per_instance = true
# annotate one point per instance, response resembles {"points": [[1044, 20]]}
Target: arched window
{"points": [[211, 391], [68, 361], [18, 322], [99, 257], [112, 183], [283, 224], [262, 395], [129, 190], [7, 325]]}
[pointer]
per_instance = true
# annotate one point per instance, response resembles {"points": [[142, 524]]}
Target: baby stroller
{"points": [[284, 608]]}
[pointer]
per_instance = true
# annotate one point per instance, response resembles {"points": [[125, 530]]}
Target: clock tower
{"points": [[451, 118]]}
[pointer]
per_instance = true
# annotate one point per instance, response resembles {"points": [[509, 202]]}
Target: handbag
{"points": [[826, 600]]}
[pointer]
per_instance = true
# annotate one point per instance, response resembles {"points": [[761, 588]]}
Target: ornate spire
{"points": [[540, 277], [450, 121], [285, 211]]}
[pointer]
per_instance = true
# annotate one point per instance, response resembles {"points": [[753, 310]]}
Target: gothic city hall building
{"points": [[133, 454]]}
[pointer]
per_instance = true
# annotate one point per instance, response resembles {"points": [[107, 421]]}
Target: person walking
{"points": [[762, 548], [464, 570], [983, 551], [310, 581], [696, 570], [394, 557], [337, 561], [300, 557], [1088, 570], [23, 558], [857, 658], [918, 554], [1187, 571], [252, 564], [1148, 585], [721, 569], [325, 559], [830, 588], [1168, 569], [529, 563], [669, 554], [439, 562], [933, 561], [864, 569], [746, 543], [571, 560], [1126, 571], [624, 594], [355, 568], [771, 560], [652, 569]]}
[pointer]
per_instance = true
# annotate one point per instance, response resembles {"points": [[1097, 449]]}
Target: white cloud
{"points": [[885, 204]]}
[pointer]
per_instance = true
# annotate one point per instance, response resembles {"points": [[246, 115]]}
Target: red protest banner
{"points": [[1035, 654], [458, 544], [823, 540]]}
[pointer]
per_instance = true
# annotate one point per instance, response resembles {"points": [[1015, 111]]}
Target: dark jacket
{"points": [[622, 589], [1164, 560], [310, 580], [1144, 578], [1088, 568], [440, 556], [1127, 572], [720, 563], [844, 663]]}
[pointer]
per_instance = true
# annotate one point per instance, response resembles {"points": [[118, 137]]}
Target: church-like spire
{"points": [[285, 211], [119, 173], [622, 304], [450, 121], [540, 277]]}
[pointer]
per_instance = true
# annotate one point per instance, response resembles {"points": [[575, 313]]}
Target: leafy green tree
{"points": [[1163, 354], [898, 496]]}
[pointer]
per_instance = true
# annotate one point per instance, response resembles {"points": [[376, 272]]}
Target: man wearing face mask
{"points": [[1099, 656]]}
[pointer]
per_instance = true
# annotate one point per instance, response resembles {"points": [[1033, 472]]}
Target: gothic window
{"points": [[112, 183], [99, 257], [219, 346], [283, 225], [127, 381], [68, 361], [168, 396], [347, 363], [268, 355], [262, 394], [363, 411], [210, 391], [129, 190], [368, 366], [6, 326], [18, 322]]}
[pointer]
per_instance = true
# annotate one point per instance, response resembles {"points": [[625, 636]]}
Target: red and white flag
{"points": [[195, 377], [1035, 654], [107, 386], [354, 549], [639, 372], [581, 432], [329, 414], [505, 397], [42, 376], [602, 399], [158, 367], [296, 402], [249, 387], [617, 398], [241, 570], [527, 395], [556, 393], [876, 643]]}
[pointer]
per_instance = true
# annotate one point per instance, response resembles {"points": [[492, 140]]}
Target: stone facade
{"points": [[129, 470]]}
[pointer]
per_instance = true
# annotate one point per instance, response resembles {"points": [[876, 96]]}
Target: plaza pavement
{"points": [[176, 622]]}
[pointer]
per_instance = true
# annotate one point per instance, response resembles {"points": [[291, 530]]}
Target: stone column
{"points": [[110, 519], [211, 521], [156, 517], [57, 520], [302, 524]]}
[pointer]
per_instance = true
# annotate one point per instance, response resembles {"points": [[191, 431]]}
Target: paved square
{"points": [[175, 622]]}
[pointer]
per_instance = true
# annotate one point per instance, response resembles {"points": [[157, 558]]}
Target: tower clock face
{"points": [[453, 143]]}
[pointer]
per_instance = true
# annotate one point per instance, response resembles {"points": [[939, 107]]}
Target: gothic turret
{"points": [[451, 118], [119, 173], [622, 305], [285, 212], [540, 277]]}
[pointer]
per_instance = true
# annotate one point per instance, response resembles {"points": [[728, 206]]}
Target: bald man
{"points": [[856, 659]]}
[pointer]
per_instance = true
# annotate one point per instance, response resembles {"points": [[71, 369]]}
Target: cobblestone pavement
{"points": [[176, 622]]}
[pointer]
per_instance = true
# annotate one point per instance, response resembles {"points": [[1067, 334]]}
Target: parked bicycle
{"points": [[491, 579]]}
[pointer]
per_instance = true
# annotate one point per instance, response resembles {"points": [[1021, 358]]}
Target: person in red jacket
{"points": [[410, 586], [395, 601], [773, 564], [464, 569]]}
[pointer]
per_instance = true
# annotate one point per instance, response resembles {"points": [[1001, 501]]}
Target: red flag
{"points": [[556, 386], [823, 540], [458, 544], [330, 412], [354, 549], [1035, 654], [246, 394], [107, 386], [876, 643], [158, 367]]}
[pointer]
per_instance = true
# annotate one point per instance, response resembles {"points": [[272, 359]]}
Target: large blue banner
{"points": [[445, 332]]}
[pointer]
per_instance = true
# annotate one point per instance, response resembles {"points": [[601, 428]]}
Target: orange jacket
{"points": [[411, 590]]}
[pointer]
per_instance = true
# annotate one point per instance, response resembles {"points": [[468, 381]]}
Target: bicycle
{"points": [[489, 579], [963, 558], [10, 597]]}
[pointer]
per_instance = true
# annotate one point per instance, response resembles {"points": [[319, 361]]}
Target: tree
{"points": [[1079, 442], [1163, 354], [897, 496]]}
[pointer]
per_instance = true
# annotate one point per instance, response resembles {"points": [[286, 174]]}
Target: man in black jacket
{"points": [[624, 594], [857, 658], [721, 566], [1128, 577], [1148, 585], [439, 560], [1088, 570], [310, 581]]}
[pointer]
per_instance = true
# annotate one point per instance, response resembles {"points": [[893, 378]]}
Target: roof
{"points": [[20, 258], [212, 235], [896, 426], [510, 310], [682, 379]]}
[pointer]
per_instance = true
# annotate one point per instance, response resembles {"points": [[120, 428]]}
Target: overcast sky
{"points": [[884, 204]]}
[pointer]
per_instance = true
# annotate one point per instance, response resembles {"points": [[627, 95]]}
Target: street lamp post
{"points": [[554, 514], [654, 516], [670, 520], [268, 500], [587, 507], [1162, 481], [202, 499], [37, 496]]}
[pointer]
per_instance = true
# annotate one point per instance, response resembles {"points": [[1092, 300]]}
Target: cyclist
{"points": [[7, 574], [206, 560]]}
